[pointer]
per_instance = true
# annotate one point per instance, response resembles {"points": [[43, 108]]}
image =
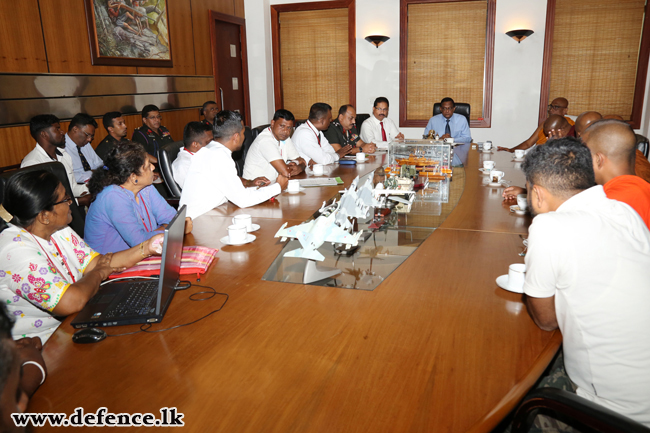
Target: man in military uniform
{"points": [[343, 132], [152, 135], [116, 128]]}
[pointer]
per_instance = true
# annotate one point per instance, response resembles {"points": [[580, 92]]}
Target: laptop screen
{"points": [[171, 258]]}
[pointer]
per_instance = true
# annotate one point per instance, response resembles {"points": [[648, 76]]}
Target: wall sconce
{"points": [[519, 35], [377, 40]]}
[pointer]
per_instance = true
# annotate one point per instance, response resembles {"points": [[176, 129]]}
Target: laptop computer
{"points": [[139, 301]]}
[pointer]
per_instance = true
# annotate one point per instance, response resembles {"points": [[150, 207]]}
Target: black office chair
{"points": [[240, 156], [56, 168], [360, 119], [258, 130], [461, 108], [167, 154], [298, 122], [573, 410], [642, 144]]}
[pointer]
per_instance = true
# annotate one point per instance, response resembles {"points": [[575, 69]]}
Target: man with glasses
{"points": [[448, 124], [379, 129], [81, 133], [152, 135], [559, 106]]}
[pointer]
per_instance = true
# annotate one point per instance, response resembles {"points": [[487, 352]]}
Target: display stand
{"points": [[314, 273]]}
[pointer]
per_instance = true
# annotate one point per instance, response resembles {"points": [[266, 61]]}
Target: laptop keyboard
{"points": [[139, 301]]}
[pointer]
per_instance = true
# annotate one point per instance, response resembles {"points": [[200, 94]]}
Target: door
{"points": [[228, 42]]}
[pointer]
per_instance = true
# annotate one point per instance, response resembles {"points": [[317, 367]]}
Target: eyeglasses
{"points": [[66, 199], [154, 117], [446, 108], [382, 109], [90, 136], [555, 107]]}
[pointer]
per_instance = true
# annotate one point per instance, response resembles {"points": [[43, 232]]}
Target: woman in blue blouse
{"points": [[127, 208]]}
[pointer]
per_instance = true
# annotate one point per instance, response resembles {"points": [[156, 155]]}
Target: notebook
{"points": [[144, 301]]}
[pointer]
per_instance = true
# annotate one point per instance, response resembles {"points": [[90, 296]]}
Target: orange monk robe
{"points": [[542, 138]]}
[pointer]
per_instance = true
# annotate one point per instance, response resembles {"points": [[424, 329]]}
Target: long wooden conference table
{"points": [[436, 347]]}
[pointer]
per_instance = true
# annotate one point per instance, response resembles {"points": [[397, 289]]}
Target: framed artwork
{"points": [[129, 32]]}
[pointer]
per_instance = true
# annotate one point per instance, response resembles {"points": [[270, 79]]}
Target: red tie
{"points": [[383, 131]]}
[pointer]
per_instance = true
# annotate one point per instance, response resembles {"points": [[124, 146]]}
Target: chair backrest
{"points": [[461, 108], [642, 144], [258, 130], [167, 154], [240, 156], [298, 122], [58, 169], [361, 117]]}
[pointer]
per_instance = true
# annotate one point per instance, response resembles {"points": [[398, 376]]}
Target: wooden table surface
{"points": [[437, 347]]}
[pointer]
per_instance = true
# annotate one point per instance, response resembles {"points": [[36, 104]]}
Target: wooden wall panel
{"points": [[180, 29], [239, 8], [22, 48], [201, 23], [15, 142], [66, 39]]}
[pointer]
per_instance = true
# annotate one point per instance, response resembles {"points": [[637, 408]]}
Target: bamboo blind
{"points": [[595, 54], [445, 55], [314, 55]]}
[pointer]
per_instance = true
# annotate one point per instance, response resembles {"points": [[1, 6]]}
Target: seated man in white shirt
{"points": [[378, 128], [310, 140], [273, 152], [50, 146], [587, 273], [196, 135], [212, 179], [81, 133]]}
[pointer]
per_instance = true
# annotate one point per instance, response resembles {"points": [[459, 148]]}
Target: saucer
{"points": [[502, 282], [361, 162], [487, 151], [295, 192], [517, 159], [254, 228], [515, 208], [495, 184], [249, 239], [485, 171]]}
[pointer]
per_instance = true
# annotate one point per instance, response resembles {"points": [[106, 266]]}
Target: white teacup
{"points": [[522, 201], [519, 153], [243, 220], [449, 140], [487, 145], [488, 165], [237, 234], [516, 277], [318, 169], [361, 156], [496, 176], [294, 185]]}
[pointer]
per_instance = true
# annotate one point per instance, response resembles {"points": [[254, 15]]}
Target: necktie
{"points": [[84, 161], [447, 129], [383, 132]]}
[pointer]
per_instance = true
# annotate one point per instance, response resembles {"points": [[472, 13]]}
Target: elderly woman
{"points": [[127, 209], [47, 271]]}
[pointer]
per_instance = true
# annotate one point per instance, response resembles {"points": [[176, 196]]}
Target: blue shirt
{"points": [[81, 175], [116, 222], [457, 124]]}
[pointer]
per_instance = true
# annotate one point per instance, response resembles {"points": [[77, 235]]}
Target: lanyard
{"points": [[146, 210], [191, 153], [317, 135], [63, 260]]}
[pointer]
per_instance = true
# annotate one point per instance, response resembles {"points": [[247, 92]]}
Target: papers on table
{"points": [[326, 181]]}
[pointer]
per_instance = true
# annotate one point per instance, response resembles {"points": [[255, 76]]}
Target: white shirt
{"points": [[371, 131], [213, 179], [265, 149], [305, 139], [181, 166], [39, 156], [593, 254], [81, 175]]}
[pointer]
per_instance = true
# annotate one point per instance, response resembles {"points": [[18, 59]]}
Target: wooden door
{"points": [[228, 40]]}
